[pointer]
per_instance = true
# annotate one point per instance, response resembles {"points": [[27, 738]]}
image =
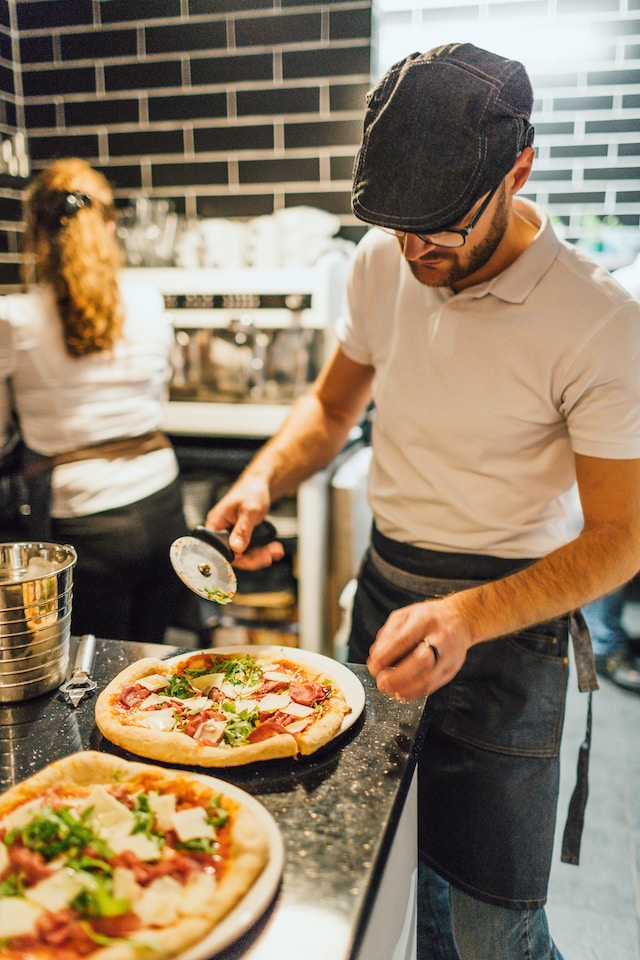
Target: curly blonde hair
{"points": [[70, 243]]}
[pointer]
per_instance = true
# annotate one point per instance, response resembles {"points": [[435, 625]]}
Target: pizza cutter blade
{"points": [[202, 560]]}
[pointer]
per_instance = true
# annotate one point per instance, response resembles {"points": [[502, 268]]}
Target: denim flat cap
{"points": [[441, 129]]}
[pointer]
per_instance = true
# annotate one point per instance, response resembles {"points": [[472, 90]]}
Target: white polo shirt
{"points": [[482, 397]]}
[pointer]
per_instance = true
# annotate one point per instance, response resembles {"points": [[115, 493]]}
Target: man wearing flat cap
{"points": [[503, 366]]}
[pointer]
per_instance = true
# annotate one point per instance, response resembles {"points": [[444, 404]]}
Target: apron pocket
{"points": [[509, 696]]}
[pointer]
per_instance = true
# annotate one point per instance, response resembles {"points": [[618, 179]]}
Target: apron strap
{"points": [[587, 683]]}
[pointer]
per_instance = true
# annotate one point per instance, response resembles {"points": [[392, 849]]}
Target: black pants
{"points": [[124, 586]]}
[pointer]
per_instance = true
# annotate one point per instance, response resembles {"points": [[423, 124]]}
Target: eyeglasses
{"points": [[455, 237]]}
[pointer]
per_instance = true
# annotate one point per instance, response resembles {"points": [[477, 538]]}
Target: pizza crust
{"points": [[248, 854], [176, 747]]}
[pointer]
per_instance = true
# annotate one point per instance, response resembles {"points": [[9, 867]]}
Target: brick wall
{"points": [[231, 108]]}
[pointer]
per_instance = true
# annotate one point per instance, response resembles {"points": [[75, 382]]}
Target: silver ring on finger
{"points": [[430, 646]]}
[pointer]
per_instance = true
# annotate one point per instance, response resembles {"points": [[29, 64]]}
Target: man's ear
{"points": [[519, 173]]}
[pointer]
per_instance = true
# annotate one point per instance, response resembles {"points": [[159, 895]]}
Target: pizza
{"points": [[218, 709], [110, 859]]}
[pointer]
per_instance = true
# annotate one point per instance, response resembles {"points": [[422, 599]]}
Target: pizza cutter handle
{"points": [[262, 534]]}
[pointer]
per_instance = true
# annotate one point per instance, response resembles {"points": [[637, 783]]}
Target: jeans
{"points": [[604, 619], [454, 926]]}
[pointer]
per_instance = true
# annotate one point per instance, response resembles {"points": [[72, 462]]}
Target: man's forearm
{"points": [[593, 564], [308, 440]]}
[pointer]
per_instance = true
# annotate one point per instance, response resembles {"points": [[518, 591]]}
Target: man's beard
{"points": [[461, 269]]}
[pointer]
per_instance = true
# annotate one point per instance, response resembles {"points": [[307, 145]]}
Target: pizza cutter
{"points": [[202, 560]]}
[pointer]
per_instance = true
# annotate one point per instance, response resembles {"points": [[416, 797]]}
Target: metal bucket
{"points": [[36, 581]]}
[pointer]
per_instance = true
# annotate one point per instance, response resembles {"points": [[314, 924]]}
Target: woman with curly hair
{"points": [[84, 362]]}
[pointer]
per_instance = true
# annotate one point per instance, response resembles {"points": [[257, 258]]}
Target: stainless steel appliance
{"points": [[248, 342]]}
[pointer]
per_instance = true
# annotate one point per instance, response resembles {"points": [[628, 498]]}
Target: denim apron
{"points": [[488, 774]]}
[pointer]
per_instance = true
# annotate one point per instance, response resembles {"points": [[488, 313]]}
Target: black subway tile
{"points": [[188, 106], [336, 202], [348, 96], [279, 100], [540, 176], [238, 205], [607, 127], [99, 44], [5, 20], [554, 129], [132, 76], [6, 51], [187, 174], [254, 137], [613, 78], [11, 115], [10, 274], [86, 113], [629, 149], [326, 62], [55, 13], [146, 142], [276, 171], [199, 7], [294, 28], [125, 177], [586, 6], [228, 69], [583, 103], [199, 35], [631, 101], [10, 209], [324, 133], [580, 150], [342, 167], [349, 24], [138, 10], [6, 80], [39, 115], [626, 27], [628, 196], [40, 83], [577, 196], [79, 145], [36, 49], [612, 173]]}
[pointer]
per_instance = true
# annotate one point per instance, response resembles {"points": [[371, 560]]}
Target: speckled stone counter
{"points": [[337, 810]]}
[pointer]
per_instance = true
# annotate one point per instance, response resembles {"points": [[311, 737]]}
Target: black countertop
{"points": [[337, 810]]}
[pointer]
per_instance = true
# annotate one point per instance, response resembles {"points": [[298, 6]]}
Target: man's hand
{"points": [[239, 511], [419, 649]]}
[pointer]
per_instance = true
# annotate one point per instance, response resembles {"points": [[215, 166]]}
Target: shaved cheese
{"points": [[158, 905], [210, 730], [55, 892], [163, 806], [125, 886], [248, 704], [298, 709], [207, 681], [156, 719], [153, 700], [298, 726], [155, 681], [274, 675], [18, 916], [198, 894], [107, 813], [196, 704], [274, 701], [191, 824], [139, 843]]}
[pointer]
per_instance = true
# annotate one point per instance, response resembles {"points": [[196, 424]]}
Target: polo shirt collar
{"points": [[516, 282]]}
